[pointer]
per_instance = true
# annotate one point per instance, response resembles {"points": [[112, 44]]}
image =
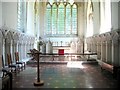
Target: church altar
{"points": [[65, 48]]}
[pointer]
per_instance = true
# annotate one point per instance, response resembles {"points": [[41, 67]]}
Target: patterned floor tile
{"points": [[60, 76]]}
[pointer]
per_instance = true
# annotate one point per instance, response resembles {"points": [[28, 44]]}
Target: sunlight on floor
{"points": [[75, 64]]}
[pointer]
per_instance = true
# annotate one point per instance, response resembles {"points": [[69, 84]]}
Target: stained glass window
{"points": [[74, 19], [54, 19], [68, 19], [61, 19], [48, 16], [21, 18]]}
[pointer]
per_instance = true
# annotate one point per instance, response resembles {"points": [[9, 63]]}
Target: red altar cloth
{"points": [[61, 51]]}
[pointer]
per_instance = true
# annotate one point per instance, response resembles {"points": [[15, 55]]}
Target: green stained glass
{"points": [[74, 19], [48, 19], [54, 19], [21, 18], [61, 19], [68, 19]]}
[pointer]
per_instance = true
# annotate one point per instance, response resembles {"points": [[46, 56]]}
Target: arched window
{"points": [[74, 19], [22, 15], [54, 19], [48, 20], [89, 19], [68, 19], [105, 10], [61, 19]]}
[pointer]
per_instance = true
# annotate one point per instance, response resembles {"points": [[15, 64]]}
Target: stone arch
{"points": [[108, 36], [20, 35], [115, 48], [95, 44], [109, 47], [1, 34], [16, 36], [15, 43], [32, 42], [8, 38], [99, 47], [27, 43], [79, 46], [115, 37], [103, 37], [88, 43], [49, 48], [73, 47], [103, 47]]}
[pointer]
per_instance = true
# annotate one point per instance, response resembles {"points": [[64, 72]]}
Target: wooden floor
{"points": [[73, 74]]}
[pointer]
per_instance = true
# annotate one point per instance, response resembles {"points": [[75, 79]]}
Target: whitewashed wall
{"points": [[119, 15], [114, 15], [1, 37], [30, 19], [96, 17], [0, 14], [9, 14]]}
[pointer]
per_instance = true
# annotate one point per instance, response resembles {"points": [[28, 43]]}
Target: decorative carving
{"points": [[49, 48], [115, 37], [103, 37], [108, 36], [1, 35]]}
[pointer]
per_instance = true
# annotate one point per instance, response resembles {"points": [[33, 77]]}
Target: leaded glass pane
{"points": [[74, 19], [68, 19], [21, 18], [48, 19], [54, 19], [61, 19]]}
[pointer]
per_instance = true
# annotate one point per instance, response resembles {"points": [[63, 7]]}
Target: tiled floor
{"points": [[71, 75]]}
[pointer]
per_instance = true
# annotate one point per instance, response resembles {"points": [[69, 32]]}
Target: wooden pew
{"points": [[18, 61], [12, 65], [3, 67], [7, 81]]}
